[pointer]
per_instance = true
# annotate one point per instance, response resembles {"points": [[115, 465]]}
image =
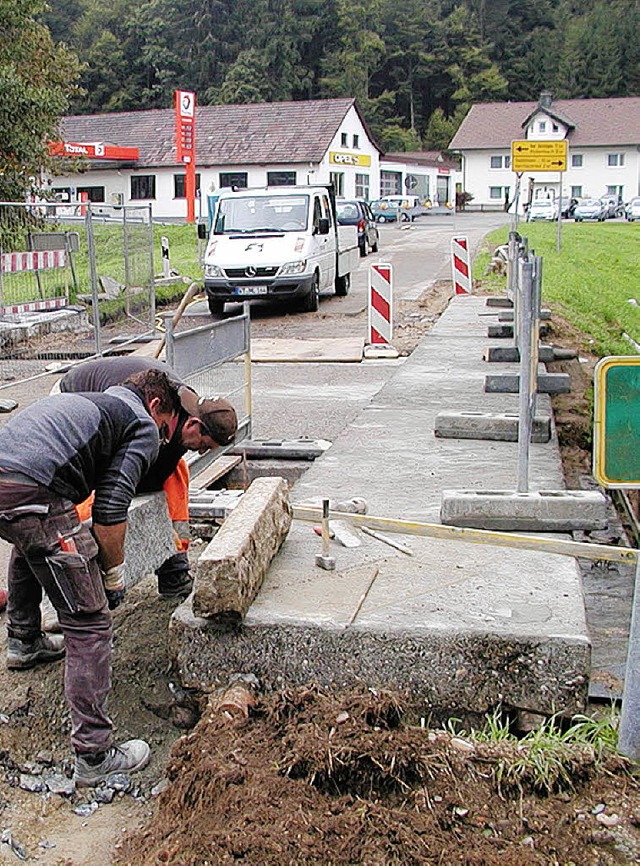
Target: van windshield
{"points": [[252, 214]]}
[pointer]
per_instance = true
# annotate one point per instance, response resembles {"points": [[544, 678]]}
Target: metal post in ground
{"points": [[93, 278], [527, 380], [629, 733], [152, 283]]}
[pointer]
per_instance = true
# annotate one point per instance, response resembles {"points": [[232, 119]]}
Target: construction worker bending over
{"points": [[203, 424], [52, 455]]}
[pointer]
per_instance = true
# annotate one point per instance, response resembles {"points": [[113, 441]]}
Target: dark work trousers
{"points": [[54, 552]]}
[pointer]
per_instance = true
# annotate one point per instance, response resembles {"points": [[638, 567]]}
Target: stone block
{"points": [[478, 425], [230, 572], [537, 511], [509, 383], [499, 302], [149, 539], [507, 316], [498, 331]]}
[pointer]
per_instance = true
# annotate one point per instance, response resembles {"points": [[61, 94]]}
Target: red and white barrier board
{"points": [[461, 265], [380, 304], [33, 306], [11, 263]]}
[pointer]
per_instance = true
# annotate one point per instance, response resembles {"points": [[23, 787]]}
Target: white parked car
{"points": [[632, 209], [544, 209]]}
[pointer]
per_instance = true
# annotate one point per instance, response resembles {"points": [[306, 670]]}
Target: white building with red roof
{"points": [[603, 140]]}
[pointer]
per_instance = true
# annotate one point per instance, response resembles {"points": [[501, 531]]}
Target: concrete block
{"points": [[507, 316], [230, 572], [498, 331], [509, 383], [511, 354], [499, 302], [478, 425], [149, 540], [538, 511], [441, 670]]}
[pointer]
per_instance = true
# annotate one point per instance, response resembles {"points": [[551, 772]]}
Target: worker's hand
{"points": [[114, 585]]}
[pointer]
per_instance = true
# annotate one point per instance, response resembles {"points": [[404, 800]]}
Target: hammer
{"points": [[324, 560]]}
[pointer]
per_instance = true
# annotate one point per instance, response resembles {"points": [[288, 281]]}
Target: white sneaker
{"points": [[126, 758]]}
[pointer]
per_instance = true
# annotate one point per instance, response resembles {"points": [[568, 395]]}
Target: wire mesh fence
{"points": [[67, 271]]}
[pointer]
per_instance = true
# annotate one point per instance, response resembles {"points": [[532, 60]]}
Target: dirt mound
{"points": [[315, 778]]}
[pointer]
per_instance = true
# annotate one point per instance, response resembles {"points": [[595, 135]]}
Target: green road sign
{"points": [[616, 439]]}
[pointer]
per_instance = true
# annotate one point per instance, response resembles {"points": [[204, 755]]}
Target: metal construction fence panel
{"points": [[215, 359], [68, 269]]}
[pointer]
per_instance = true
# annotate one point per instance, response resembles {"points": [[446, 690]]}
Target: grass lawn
{"points": [[589, 282]]}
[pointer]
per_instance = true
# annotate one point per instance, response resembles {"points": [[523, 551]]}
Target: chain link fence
{"points": [[66, 272]]}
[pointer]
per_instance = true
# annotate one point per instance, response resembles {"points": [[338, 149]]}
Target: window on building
{"points": [[94, 193], [495, 192], [576, 192], [390, 183], [337, 179], [281, 178], [180, 185], [362, 186], [576, 160], [356, 142], [554, 127], [143, 186], [507, 161], [343, 139], [542, 126], [496, 162], [234, 178], [615, 160], [61, 193], [617, 191]]}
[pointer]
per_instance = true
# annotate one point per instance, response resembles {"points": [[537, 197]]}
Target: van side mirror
{"points": [[323, 226], [202, 231]]}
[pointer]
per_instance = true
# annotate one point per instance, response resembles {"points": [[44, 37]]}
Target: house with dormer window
{"points": [[603, 141]]}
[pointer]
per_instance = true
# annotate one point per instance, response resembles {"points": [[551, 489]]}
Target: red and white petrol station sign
{"points": [[93, 150], [185, 108]]}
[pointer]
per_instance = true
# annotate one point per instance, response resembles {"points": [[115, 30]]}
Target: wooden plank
{"points": [[215, 470]]}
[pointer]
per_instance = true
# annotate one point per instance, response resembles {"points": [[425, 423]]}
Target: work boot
{"points": [[22, 654], [92, 768], [174, 580]]}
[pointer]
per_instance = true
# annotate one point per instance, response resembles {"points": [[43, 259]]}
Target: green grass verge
{"points": [[589, 282]]}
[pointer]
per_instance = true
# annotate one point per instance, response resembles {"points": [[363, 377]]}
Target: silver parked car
{"points": [[589, 209], [632, 209], [544, 209]]}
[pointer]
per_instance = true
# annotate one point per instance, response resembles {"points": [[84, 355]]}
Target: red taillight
{"points": [[361, 226]]}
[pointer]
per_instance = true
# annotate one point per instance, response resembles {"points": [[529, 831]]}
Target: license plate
{"points": [[250, 290]]}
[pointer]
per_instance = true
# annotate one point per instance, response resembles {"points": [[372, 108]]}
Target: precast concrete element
{"points": [[511, 354], [497, 331], [509, 383], [150, 537], [230, 572], [539, 511], [507, 316], [478, 425], [497, 301], [442, 670]]}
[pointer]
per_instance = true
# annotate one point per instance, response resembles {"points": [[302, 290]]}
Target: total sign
{"points": [[185, 109]]}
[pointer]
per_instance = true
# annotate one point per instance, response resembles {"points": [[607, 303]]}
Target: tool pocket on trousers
{"points": [[75, 583]]}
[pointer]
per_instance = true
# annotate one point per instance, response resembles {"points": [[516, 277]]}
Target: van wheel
{"points": [[374, 248], [216, 307], [382, 219], [343, 284], [311, 302]]}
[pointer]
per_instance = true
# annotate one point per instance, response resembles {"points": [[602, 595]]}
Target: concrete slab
{"points": [[347, 349], [548, 383], [539, 511], [478, 425], [461, 625]]}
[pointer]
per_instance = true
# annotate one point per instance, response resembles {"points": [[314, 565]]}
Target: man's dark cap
{"points": [[218, 416]]}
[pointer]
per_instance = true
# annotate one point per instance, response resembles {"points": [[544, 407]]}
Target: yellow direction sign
{"points": [[539, 155]]}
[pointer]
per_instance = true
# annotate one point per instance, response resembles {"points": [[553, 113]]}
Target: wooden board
{"points": [[214, 471]]}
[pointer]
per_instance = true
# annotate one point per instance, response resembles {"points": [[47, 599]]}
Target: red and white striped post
{"points": [[461, 266], [380, 305]]}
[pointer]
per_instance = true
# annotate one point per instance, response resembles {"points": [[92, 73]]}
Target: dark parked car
{"points": [[358, 213]]}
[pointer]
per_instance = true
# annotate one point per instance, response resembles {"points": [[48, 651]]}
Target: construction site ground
{"points": [[311, 777]]}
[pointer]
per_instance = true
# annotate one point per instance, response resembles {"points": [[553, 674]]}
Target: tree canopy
{"points": [[37, 82], [414, 66]]}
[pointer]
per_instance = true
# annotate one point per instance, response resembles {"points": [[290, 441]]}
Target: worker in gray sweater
{"points": [[52, 455], [203, 424]]}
